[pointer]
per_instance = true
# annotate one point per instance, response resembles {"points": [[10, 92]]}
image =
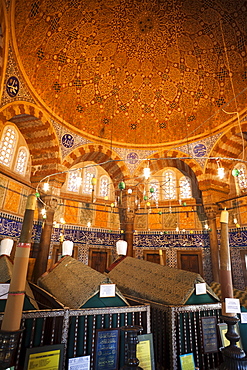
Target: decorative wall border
{"points": [[10, 226]]}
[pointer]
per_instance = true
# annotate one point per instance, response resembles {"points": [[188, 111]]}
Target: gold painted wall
{"points": [[71, 212], [187, 219], [101, 217], [155, 220], [12, 199]]}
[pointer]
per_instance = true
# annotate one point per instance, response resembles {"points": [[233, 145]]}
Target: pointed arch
{"points": [[230, 147], [103, 156], [39, 134], [189, 167]]}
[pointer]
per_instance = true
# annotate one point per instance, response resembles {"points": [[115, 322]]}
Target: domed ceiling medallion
{"points": [[136, 72]]}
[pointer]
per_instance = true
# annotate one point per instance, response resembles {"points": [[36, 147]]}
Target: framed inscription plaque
{"points": [[145, 351], [107, 349], [209, 334], [43, 358]]}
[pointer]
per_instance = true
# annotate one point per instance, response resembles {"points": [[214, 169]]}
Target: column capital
{"points": [[211, 211], [50, 202]]}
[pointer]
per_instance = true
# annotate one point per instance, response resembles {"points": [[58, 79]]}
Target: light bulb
{"points": [[93, 181], [146, 172], [88, 224], [46, 186], [221, 172]]}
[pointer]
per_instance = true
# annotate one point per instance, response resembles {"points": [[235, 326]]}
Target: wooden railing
{"points": [[177, 330], [76, 329]]}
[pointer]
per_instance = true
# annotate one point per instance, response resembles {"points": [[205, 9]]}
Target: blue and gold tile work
{"points": [[10, 226]]}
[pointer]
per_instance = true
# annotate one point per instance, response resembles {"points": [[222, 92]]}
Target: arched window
{"points": [[89, 173], [21, 161], [8, 143], [185, 188], [74, 181], [104, 186], [240, 179], [155, 190], [169, 185]]}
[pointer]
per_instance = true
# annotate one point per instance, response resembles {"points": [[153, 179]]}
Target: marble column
{"points": [[211, 213], [225, 262], [234, 358], [127, 217], [41, 261], [129, 235], [13, 310]]}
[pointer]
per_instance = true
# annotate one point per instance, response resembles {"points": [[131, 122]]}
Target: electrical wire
{"points": [[232, 86]]}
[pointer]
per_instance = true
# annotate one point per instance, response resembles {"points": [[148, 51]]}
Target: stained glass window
{"points": [[89, 173], [74, 181], [241, 180], [8, 143], [185, 188], [155, 190], [169, 185], [21, 162], [104, 186]]}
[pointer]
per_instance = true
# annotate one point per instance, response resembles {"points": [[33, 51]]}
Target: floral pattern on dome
{"points": [[141, 72]]}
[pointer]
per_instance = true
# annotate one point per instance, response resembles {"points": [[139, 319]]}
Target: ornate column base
{"points": [[132, 340], [233, 356], [8, 345]]}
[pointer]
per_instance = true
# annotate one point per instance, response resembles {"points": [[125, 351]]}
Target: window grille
{"points": [[74, 180], [185, 188], [21, 162], [169, 185], [104, 186], [8, 144]]}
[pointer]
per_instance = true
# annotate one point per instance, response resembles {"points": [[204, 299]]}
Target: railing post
{"points": [[65, 333], [132, 340]]}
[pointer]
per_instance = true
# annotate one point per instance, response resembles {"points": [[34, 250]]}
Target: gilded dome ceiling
{"points": [[136, 72]]}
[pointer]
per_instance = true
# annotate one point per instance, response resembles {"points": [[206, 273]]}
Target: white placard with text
{"points": [[201, 288], [243, 317], [79, 363], [107, 290], [4, 289], [232, 305]]}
